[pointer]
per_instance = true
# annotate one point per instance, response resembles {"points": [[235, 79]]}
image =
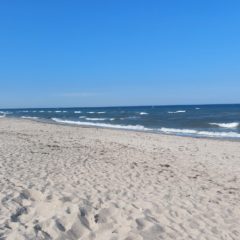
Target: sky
{"points": [[119, 52]]}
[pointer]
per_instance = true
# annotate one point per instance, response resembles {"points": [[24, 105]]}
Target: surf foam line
{"points": [[226, 125], [186, 132], [26, 117], [200, 133], [105, 125], [179, 111], [5, 112], [96, 119]]}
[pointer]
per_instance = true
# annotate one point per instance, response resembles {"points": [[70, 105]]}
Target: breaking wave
{"points": [[105, 125], [200, 133], [5, 112], [226, 125], [96, 119], [179, 111], [26, 117]]}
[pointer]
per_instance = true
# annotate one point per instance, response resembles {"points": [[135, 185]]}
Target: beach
{"points": [[72, 182]]}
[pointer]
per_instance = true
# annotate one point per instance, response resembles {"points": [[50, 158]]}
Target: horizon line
{"points": [[127, 106]]}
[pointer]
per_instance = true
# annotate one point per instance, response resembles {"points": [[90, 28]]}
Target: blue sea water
{"points": [[217, 121]]}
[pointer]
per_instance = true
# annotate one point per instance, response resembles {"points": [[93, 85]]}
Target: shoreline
{"points": [[49, 121], [46, 121], [66, 182]]}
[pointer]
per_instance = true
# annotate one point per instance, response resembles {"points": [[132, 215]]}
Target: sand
{"points": [[65, 182]]}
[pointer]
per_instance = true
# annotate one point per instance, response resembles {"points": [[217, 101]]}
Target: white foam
{"points": [[96, 119], [220, 134], [197, 108], [2, 116], [179, 111], [91, 112], [5, 112], [82, 116], [105, 125], [77, 111], [188, 132], [25, 111], [226, 125], [112, 119], [58, 111], [175, 130], [41, 111], [200, 133], [64, 111], [26, 117], [101, 112], [131, 117], [143, 113]]}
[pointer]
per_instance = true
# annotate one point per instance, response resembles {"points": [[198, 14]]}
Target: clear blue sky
{"points": [[119, 52]]}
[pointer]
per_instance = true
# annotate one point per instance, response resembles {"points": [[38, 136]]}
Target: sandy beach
{"points": [[66, 182]]}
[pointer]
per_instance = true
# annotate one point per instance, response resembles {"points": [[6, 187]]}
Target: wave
{"points": [[5, 112], [186, 132], [26, 117], [226, 125], [143, 113], [96, 119], [41, 111], [58, 111], [91, 112], [77, 111], [82, 116], [105, 125], [179, 111], [101, 112], [197, 108], [131, 117], [2, 116], [200, 133], [99, 119]]}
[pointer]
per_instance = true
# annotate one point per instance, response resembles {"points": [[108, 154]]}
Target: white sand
{"points": [[63, 182]]}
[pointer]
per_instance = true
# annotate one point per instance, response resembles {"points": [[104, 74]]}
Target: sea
{"points": [[212, 121]]}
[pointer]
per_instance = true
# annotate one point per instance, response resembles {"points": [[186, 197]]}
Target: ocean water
{"points": [[214, 121]]}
